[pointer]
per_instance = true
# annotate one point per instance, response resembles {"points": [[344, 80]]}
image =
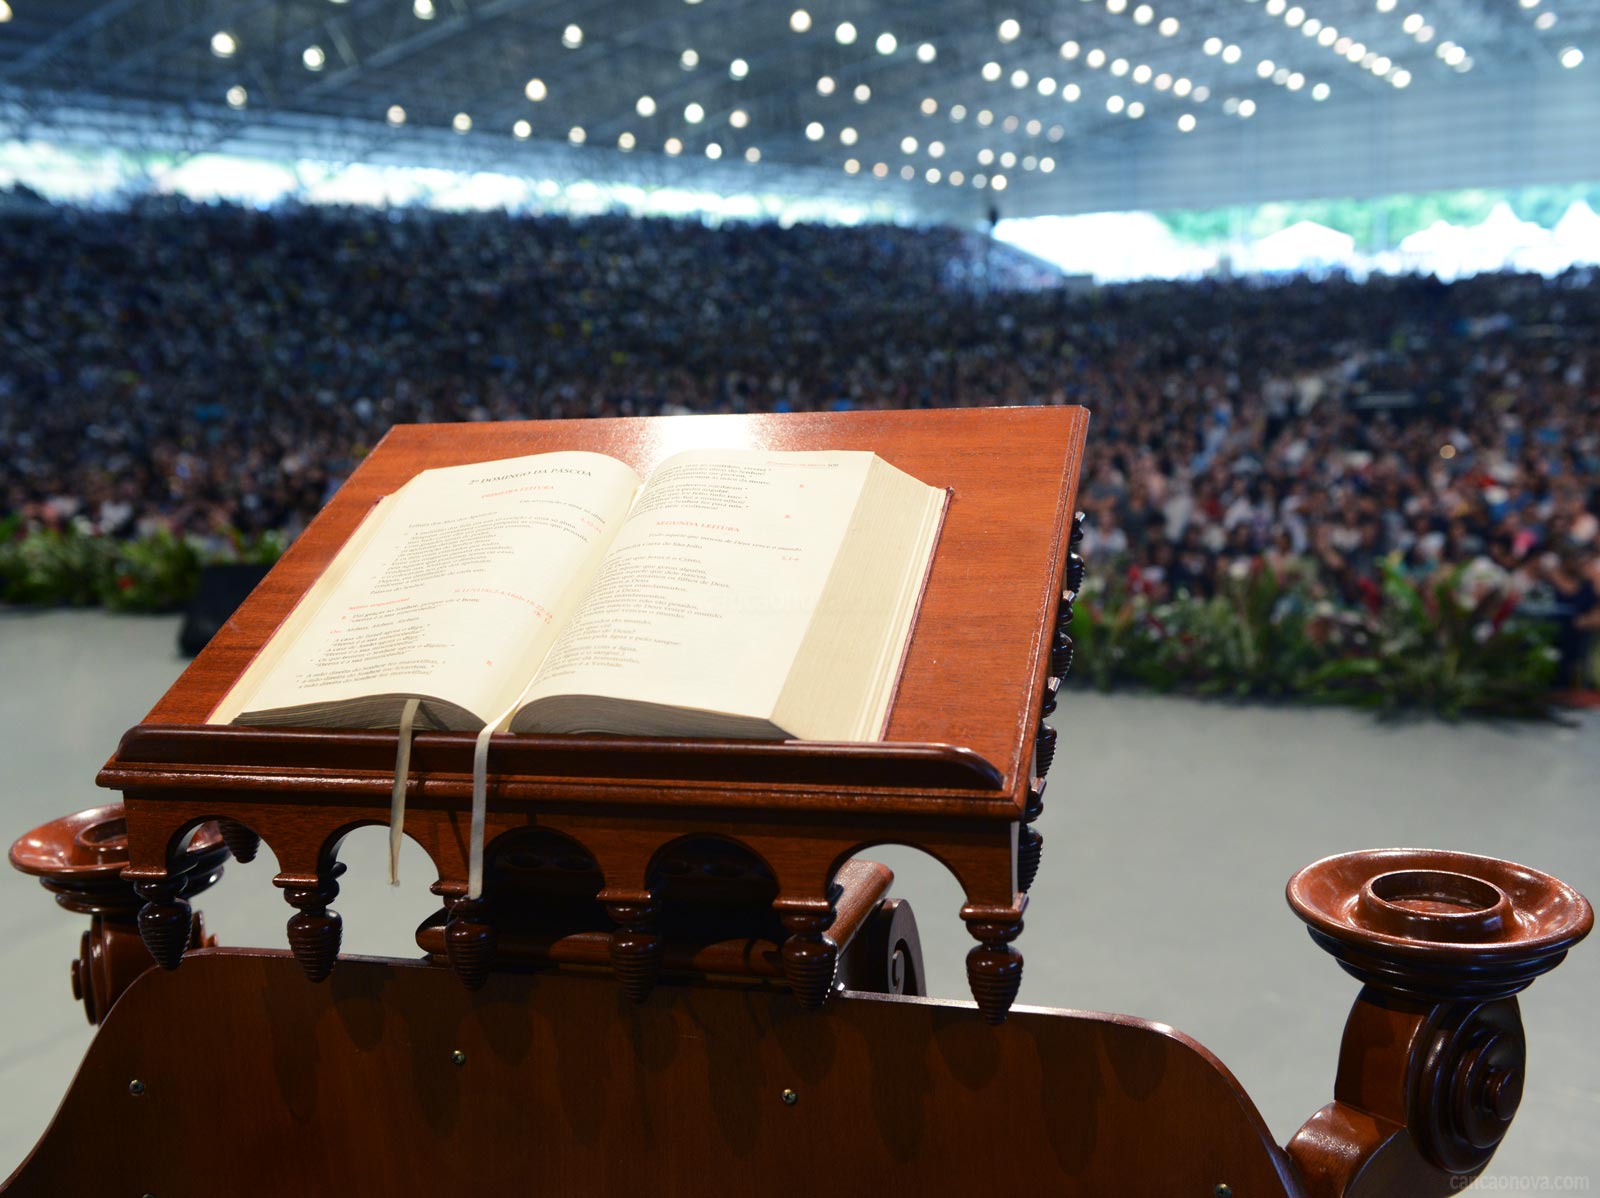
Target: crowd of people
{"points": [[206, 368]]}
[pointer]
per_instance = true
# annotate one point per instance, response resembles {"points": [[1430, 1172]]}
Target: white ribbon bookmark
{"points": [[397, 800], [480, 805]]}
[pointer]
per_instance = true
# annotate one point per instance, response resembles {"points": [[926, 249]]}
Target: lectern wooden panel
{"points": [[955, 776]]}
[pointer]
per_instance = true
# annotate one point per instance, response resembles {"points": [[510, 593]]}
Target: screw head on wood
{"points": [[790, 1098], [458, 1057], [136, 1087]]}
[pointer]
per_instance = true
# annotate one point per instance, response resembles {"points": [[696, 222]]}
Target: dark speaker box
{"points": [[222, 589]]}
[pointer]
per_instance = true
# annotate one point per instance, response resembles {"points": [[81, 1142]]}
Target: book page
{"points": [[705, 597], [458, 590]]}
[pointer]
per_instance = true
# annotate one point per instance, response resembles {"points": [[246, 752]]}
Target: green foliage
{"points": [[1426, 648], [158, 572]]}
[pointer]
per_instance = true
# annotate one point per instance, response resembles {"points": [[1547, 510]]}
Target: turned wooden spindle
{"points": [[1030, 842], [636, 950], [1044, 749], [314, 929], [241, 841], [1432, 1062], [469, 940], [1052, 693], [994, 968], [809, 957], [80, 858]]}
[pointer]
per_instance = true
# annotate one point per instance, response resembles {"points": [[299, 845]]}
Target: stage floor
{"points": [[1170, 829]]}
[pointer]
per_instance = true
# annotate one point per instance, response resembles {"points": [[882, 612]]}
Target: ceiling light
{"points": [[1143, 15], [1046, 86], [1202, 94], [1320, 92], [908, 172], [752, 155], [814, 131], [237, 97], [1544, 20], [985, 157], [1186, 123], [1275, 7], [396, 115], [1412, 23], [1311, 27], [1070, 93], [689, 59], [521, 130], [799, 20], [738, 69], [851, 166], [1168, 26], [998, 183], [1212, 46], [1069, 50], [1047, 165], [880, 169], [693, 113], [1019, 78], [1009, 29], [1135, 110], [713, 151], [958, 112], [1400, 78], [1231, 53], [461, 122], [1008, 160], [927, 52], [980, 181], [1096, 58], [572, 37], [936, 149], [315, 58], [845, 34], [645, 106], [673, 146], [422, 9], [862, 93], [991, 71], [1247, 108], [825, 86], [1141, 73], [1116, 6], [886, 43], [932, 175], [929, 106], [535, 90], [1572, 58], [956, 178], [1280, 76], [738, 118], [1033, 128], [1114, 103], [847, 135], [1295, 81], [625, 141], [1295, 16], [1119, 67], [576, 135], [1163, 81], [1181, 87], [223, 43], [908, 145]]}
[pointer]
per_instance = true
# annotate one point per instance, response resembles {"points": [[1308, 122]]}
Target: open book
{"points": [[736, 593]]}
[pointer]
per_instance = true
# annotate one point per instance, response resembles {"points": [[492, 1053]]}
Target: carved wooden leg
{"points": [[314, 930], [809, 957], [241, 841], [636, 950], [469, 941], [165, 921], [994, 968]]}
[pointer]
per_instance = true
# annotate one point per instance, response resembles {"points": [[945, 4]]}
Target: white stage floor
{"points": [[1170, 829]]}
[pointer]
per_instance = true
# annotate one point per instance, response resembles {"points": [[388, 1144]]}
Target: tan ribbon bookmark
{"points": [[480, 802], [397, 800]]}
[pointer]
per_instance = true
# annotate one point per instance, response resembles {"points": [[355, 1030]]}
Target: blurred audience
{"points": [[201, 368]]}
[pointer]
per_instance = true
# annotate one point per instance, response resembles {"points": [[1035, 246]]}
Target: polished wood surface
{"points": [[975, 666], [1432, 1062], [957, 775], [564, 1086]]}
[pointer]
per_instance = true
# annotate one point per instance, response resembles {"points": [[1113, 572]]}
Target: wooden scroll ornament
{"points": [[79, 858], [1431, 1066]]}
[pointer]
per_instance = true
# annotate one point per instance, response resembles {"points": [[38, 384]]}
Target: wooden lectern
{"points": [[681, 978]]}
